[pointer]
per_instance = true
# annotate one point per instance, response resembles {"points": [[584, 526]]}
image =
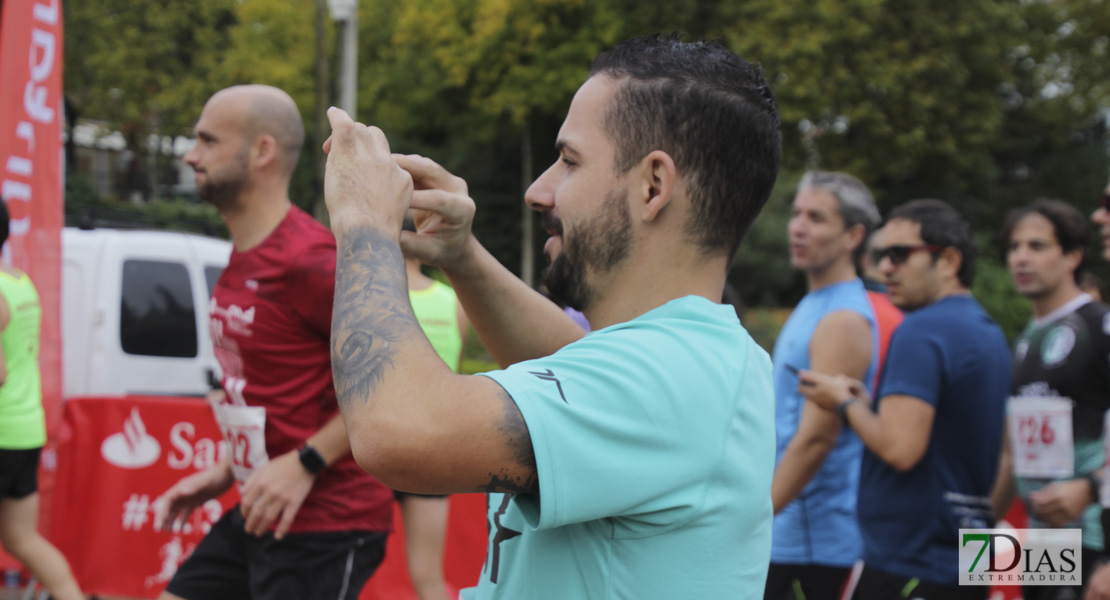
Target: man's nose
{"points": [[541, 194]]}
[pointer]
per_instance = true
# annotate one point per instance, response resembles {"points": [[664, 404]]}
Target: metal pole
{"points": [[320, 210], [527, 243], [348, 72]]}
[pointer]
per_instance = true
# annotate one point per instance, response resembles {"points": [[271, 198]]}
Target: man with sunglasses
{"points": [[934, 435], [1061, 382], [832, 330]]}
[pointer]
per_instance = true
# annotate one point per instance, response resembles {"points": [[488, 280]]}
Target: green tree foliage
{"points": [[271, 43], [917, 96], [985, 103], [144, 66], [994, 289], [148, 67], [439, 67]]}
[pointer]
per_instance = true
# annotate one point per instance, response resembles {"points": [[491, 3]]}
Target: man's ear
{"points": [[658, 175], [856, 236], [950, 261], [1074, 258], [264, 151]]}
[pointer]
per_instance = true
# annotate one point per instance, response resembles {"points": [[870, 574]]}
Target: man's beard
{"points": [[601, 243], [223, 192]]}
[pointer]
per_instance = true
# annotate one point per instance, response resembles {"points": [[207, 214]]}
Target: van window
{"points": [[211, 275], [157, 317]]}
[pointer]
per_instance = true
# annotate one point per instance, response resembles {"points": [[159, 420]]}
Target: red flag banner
{"points": [[30, 174]]}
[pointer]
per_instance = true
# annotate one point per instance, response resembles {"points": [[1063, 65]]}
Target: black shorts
{"points": [[805, 582], [880, 585], [230, 563], [19, 473]]}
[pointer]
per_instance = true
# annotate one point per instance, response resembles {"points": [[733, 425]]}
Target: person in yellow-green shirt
{"points": [[425, 517], [23, 430]]}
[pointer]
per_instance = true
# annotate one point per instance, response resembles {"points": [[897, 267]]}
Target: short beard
{"points": [[600, 244], [224, 194]]}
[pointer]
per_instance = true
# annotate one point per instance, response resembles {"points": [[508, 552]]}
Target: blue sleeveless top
{"points": [[820, 525]]}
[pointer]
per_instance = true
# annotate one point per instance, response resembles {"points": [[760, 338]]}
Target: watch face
{"points": [[312, 460]]}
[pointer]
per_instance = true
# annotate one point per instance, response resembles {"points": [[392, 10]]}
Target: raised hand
{"points": [[362, 183], [443, 213]]}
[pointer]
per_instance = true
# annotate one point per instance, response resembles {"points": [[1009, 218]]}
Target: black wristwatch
{"points": [[1095, 484], [842, 409], [311, 459]]}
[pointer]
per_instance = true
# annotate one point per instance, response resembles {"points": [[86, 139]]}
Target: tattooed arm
{"points": [[412, 422]]}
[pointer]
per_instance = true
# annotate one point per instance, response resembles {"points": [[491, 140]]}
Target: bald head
{"points": [[265, 110]]}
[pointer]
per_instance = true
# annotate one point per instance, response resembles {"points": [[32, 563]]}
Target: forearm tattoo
{"points": [[372, 313], [371, 318]]}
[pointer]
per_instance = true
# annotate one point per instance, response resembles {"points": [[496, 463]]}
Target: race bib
{"points": [[1041, 437], [244, 430]]}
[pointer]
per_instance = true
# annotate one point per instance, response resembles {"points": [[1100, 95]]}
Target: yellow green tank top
{"points": [[435, 310], [22, 421]]}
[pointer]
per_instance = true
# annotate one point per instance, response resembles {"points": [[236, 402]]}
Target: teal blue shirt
{"points": [[655, 448]]}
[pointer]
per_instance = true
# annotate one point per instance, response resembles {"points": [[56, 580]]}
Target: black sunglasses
{"points": [[899, 254]]}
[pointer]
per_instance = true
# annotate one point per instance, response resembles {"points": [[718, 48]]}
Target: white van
{"points": [[135, 311]]}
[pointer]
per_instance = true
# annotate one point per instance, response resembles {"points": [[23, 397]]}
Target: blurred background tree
{"points": [[987, 104]]}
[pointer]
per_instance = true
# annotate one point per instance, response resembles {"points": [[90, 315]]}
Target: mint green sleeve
{"points": [[631, 422]]}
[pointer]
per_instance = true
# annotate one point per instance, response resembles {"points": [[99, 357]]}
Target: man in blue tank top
{"points": [[934, 435], [833, 330]]}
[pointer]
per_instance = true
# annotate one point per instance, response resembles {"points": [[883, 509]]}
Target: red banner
{"points": [[30, 164], [115, 457], [31, 181]]}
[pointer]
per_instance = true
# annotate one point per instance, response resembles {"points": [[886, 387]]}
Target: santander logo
{"points": [[133, 448]]}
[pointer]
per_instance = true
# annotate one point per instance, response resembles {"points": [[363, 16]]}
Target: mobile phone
{"points": [[795, 371]]}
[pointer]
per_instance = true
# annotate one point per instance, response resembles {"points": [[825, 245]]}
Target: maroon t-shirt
{"points": [[271, 325]]}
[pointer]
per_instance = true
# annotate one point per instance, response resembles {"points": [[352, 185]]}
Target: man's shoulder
{"points": [[961, 321], [672, 337], [308, 234], [1095, 314]]}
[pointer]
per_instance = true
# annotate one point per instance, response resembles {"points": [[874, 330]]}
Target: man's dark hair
{"points": [[712, 112], [5, 217], [942, 225], [1068, 225]]}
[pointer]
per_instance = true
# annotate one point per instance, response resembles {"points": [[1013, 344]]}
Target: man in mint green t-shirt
{"points": [[636, 461]]}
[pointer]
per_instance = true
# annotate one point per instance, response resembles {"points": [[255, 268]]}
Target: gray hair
{"points": [[854, 201]]}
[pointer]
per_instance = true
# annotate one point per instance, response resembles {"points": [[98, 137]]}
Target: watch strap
{"points": [[311, 459], [842, 408]]}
